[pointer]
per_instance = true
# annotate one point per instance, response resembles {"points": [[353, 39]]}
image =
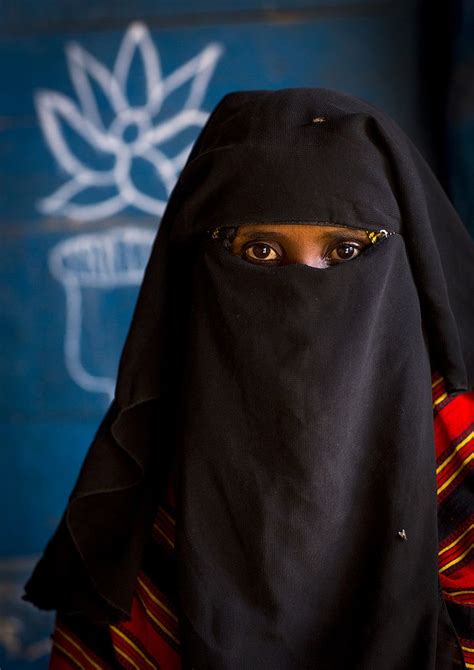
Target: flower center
{"points": [[130, 132]]}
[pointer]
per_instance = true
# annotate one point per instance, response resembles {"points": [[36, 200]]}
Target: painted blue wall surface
{"points": [[460, 117], [90, 154]]}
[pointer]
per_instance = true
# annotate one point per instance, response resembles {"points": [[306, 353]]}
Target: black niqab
{"points": [[295, 403]]}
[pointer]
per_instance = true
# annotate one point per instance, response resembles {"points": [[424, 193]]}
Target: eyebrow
{"points": [[343, 234]]}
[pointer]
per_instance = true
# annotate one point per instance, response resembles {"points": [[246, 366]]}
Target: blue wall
{"points": [[100, 106]]}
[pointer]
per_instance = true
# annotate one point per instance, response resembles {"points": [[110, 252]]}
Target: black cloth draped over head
{"points": [[293, 401]]}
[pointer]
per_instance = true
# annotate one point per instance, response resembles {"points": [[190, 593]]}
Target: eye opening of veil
{"points": [[354, 240]]}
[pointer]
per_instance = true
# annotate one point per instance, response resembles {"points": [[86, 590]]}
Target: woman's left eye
{"points": [[344, 252]]}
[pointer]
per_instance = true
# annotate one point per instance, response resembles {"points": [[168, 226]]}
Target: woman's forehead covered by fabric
{"points": [[280, 156]]}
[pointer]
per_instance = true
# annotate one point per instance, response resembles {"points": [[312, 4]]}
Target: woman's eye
{"points": [[260, 252], [344, 252]]}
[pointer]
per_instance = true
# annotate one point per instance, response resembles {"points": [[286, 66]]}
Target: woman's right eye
{"points": [[261, 252]]}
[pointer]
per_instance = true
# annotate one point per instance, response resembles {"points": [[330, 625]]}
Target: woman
{"points": [[262, 492]]}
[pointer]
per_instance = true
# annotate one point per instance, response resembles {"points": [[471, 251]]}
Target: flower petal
{"points": [[54, 107], [171, 127], [196, 73], [61, 202], [140, 200], [157, 171], [168, 168], [137, 43], [83, 67], [56, 201], [180, 159]]}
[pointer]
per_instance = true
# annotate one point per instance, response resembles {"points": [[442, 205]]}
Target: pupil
{"points": [[345, 251], [261, 250]]}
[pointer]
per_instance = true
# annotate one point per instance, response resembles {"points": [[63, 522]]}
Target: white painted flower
{"points": [[132, 134]]}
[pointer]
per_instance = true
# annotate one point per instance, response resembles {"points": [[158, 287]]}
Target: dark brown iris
{"points": [[345, 251], [261, 250]]}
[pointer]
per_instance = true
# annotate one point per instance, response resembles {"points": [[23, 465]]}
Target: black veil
{"points": [[294, 402]]}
